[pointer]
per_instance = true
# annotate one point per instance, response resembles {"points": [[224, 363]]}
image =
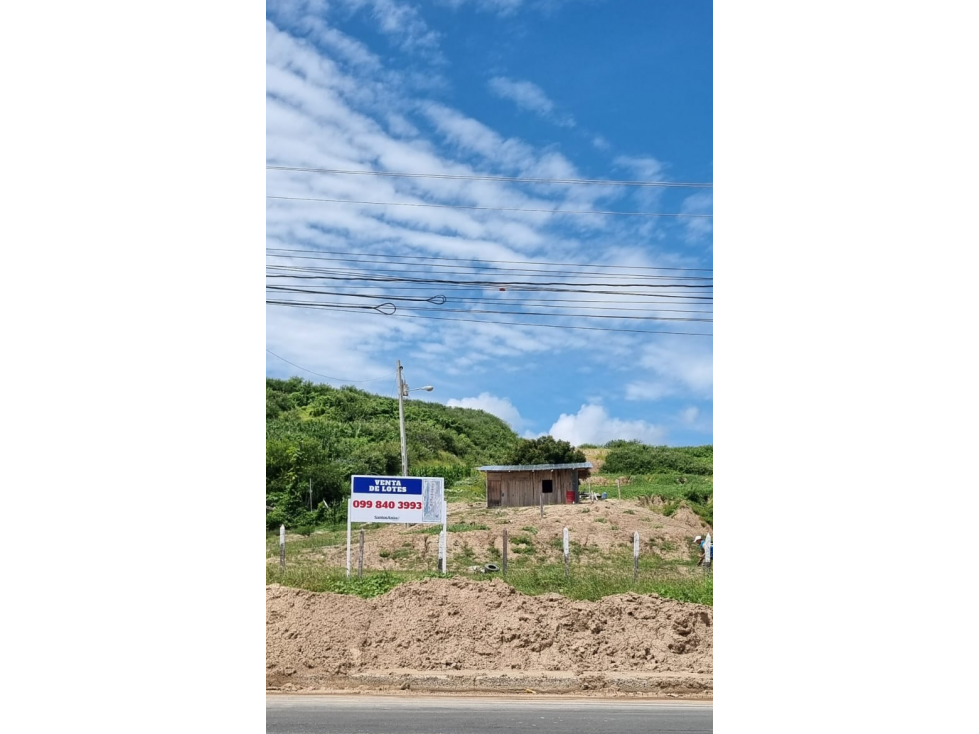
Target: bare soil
{"points": [[466, 630]]}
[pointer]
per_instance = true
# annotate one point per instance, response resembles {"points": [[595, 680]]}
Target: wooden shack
{"points": [[526, 485]]}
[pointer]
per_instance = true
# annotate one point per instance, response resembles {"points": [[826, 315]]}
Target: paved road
{"points": [[458, 715]]}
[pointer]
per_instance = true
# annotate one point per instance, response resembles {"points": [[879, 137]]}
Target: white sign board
{"points": [[396, 499]]}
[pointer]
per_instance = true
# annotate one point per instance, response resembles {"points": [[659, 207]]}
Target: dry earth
{"points": [[457, 634], [600, 528]]}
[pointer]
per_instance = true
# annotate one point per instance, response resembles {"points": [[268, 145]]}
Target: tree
{"points": [[544, 450]]}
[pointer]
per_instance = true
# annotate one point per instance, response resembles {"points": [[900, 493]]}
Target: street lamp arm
{"points": [[403, 391]]}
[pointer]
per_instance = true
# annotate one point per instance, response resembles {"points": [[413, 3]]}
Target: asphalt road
{"points": [[365, 714]]}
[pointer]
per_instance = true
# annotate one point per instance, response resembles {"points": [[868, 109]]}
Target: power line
{"points": [[666, 297], [440, 299], [437, 300], [502, 262], [658, 298], [393, 310], [386, 278], [335, 379], [563, 315], [292, 304], [382, 277], [306, 273], [469, 269], [560, 326], [488, 208], [509, 179]]}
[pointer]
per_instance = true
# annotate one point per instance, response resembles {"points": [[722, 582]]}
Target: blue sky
{"points": [[497, 89]]}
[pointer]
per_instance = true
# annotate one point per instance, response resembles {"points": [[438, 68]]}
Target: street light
{"points": [[403, 391]]}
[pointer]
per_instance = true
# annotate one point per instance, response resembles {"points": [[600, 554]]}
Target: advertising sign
{"points": [[396, 499]]}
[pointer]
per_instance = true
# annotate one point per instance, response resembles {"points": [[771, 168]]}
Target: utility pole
{"points": [[402, 391], [402, 394]]}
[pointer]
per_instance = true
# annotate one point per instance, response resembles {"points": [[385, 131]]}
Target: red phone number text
{"points": [[387, 505]]}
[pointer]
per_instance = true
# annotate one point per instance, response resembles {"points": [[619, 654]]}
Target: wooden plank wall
{"points": [[522, 489]]}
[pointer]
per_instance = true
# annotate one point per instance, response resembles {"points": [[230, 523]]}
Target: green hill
{"points": [[318, 436]]}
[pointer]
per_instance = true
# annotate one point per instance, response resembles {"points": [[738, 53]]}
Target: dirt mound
{"points": [[451, 624]]}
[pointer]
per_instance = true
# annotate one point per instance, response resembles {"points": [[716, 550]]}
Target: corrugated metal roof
{"points": [[537, 467]]}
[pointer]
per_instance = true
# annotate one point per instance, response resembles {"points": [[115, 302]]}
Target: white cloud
{"points": [[505, 8], [404, 24], [696, 420], [328, 348], [332, 103], [593, 424], [501, 7], [500, 407], [678, 367], [401, 22], [698, 227], [528, 96], [646, 167]]}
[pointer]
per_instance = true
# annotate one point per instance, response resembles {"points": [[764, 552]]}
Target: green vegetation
{"points": [[544, 450], [533, 580], [317, 578], [317, 435], [461, 527], [532, 569], [634, 457], [695, 492]]}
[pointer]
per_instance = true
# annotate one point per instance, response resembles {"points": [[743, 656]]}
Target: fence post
{"points": [[282, 547], [635, 556], [360, 565], [618, 486], [504, 551], [567, 545]]}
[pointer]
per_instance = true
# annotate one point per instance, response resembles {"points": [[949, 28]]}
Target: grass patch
{"points": [[529, 529], [529, 576], [316, 578], [295, 546], [522, 544], [398, 554], [467, 489], [593, 585], [459, 527], [697, 492]]}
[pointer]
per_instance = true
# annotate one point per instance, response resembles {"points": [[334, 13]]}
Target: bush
{"points": [[629, 457]]}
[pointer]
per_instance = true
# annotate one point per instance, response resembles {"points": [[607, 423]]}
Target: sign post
{"points": [[408, 500], [349, 505]]}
